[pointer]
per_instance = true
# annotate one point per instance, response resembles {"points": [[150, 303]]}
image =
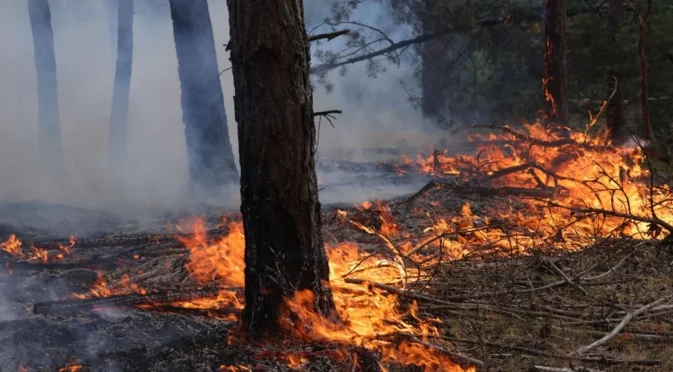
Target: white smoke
{"points": [[376, 111]]}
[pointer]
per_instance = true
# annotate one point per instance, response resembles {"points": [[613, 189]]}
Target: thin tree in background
{"points": [[555, 80], [615, 113], [49, 142], [284, 250], [209, 152], [433, 97], [122, 84]]}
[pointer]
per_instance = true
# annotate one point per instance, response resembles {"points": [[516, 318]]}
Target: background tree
{"points": [[504, 41], [122, 84], [615, 114], [284, 249], [49, 142], [209, 152], [555, 79]]}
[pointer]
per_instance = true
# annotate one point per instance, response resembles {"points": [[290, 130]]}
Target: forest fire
{"points": [[556, 194], [34, 254]]}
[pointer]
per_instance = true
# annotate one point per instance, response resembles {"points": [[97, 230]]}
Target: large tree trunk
{"points": [[555, 80], [209, 152], [49, 142], [276, 134], [122, 85], [615, 115]]}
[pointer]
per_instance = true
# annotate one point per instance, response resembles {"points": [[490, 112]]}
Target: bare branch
{"points": [[328, 35], [630, 315]]}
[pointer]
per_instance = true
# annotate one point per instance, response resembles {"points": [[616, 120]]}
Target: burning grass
{"points": [[485, 267]]}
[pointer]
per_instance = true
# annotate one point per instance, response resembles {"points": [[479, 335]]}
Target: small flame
{"points": [[239, 368], [71, 368], [12, 246], [66, 248]]}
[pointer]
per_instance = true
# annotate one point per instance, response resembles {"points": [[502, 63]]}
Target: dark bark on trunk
{"points": [[615, 115], [209, 152], [284, 250], [433, 98], [555, 80], [122, 85], [49, 142], [647, 129]]}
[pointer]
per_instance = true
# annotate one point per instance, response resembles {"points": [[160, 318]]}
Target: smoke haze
{"points": [[376, 111]]}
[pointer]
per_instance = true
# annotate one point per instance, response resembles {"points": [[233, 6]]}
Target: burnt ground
{"points": [[510, 311]]}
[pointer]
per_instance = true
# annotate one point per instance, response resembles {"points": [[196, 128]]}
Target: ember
{"points": [[71, 368]]}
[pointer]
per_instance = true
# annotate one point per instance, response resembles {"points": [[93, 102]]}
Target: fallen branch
{"points": [[598, 359], [453, 354], [573, 369], [630, 315], [542, 193], [543, 143], [120, 301], [399, 255], [655, 221]]}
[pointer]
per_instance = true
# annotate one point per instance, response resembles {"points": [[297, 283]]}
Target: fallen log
{"points": [[543, 193], [40, 266], [142, 241], [121, 301], [209, 313]]}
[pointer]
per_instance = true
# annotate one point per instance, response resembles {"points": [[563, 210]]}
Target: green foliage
{"points": [[499, 76]]}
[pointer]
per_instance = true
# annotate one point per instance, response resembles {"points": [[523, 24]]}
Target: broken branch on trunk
{"points": [[121, 301], [329, 115], [328, 35]]}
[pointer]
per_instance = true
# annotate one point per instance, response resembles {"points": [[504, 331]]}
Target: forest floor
{"points": [[527, 311], [498, 264], [603, 307]]}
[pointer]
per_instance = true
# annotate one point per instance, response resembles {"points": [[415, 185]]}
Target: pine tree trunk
{"points": [[49, 142], [122, 85], [433, 99], [615, 115], [555, 78], [209, 152], [277, 138]]}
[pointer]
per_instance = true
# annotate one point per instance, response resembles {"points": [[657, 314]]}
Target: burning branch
{"points": [[121, 301]]}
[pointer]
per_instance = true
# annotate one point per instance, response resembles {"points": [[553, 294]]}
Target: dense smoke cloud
{"points": [[376, 111]]}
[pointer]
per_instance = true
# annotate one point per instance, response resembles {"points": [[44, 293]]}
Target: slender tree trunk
{"points": [[49, 142], [433, 99], [615, 115], [555, 80], [647, 128], [122, 85], [209, 152], [276, 134]]}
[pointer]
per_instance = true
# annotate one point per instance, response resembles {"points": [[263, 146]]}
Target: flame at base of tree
{"points": [[591, 192], [586, 177]]}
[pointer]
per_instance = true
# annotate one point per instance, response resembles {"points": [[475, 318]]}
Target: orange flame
{"points": [[71, 368], [12, 246]]}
